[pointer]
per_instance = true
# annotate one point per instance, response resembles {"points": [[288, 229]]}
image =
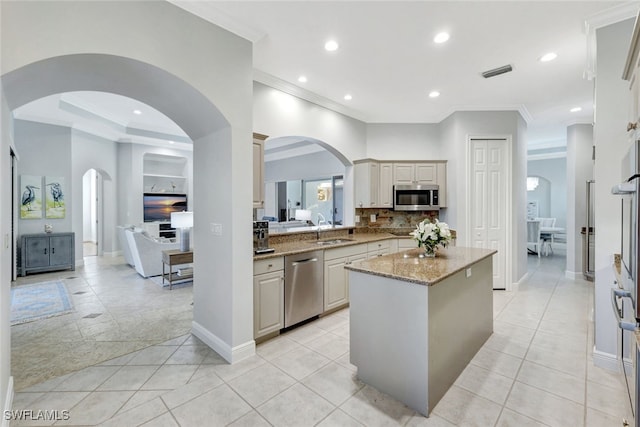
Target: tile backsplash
{"points": [[387, 218]]}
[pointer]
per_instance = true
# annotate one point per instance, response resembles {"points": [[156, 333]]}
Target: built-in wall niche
{"points": [[164, 174]]}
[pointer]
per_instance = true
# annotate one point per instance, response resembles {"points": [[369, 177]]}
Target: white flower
{"points": [[431, 234]]}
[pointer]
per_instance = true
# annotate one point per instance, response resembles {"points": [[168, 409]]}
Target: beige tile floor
{"points": [[116, 312], [535, 370]]}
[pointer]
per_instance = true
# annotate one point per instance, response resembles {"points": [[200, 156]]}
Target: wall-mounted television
{"points": [[158, 206]]}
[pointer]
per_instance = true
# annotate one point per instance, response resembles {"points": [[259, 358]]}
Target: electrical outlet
{"points": [[357, 218], [372, 218], [467, 272]]}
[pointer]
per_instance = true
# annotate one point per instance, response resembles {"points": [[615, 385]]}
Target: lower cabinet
{"points": [[268, 296], [47, 252], [383, 247], [336, 278]]}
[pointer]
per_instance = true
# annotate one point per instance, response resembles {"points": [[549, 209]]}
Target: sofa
{"points": [[146, 251], [124, 244]]}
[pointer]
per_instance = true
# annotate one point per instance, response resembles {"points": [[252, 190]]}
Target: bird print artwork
{"points": [[55, 203], [31, 201]]}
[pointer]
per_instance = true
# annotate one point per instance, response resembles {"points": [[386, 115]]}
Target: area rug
{"points": [[39, 301]]}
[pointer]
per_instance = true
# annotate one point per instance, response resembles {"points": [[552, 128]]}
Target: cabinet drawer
{"points": [[376, 246], [268, 265], [345, 251]]}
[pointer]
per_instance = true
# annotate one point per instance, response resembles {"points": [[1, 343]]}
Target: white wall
{"points": [[555, 171], [398, 141], [88, 195], [610, 140], [455, 130], [201, 79], [45, 150], [579, 171], [91, 152], [6, 383]]}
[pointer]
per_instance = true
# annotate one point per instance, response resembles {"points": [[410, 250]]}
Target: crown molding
{"points": [[602, 19], [207, 11], [547, 156], [284, 86]]}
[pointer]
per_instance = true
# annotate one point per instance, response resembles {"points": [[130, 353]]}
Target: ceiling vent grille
{"points": [[497, 71]]}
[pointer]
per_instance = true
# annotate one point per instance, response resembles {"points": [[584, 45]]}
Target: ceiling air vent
{"points": [[497, 71]]}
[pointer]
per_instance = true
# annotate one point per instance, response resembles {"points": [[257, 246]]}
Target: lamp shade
{"points": [[182, 219], [303, 214]]}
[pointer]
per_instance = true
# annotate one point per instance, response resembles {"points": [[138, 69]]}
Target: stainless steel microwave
{"points": [[416, 197]]}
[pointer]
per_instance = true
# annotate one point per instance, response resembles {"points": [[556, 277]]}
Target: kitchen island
{"points": [[415, 322]]}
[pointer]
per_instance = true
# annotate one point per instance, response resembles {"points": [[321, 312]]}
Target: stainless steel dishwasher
{"points": [[303, 286]]}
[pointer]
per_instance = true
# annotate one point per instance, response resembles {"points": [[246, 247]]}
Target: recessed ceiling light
{"points": [[548, 57], [331, 45], [348, 97], [302, 79], [441, 37], [137, 112], [576, 109], [434, 94]]}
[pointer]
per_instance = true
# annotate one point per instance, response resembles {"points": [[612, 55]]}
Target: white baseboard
{"points": [[8, 402], [230, 354], [606, 361], [515, 286], [573, 275], [114, 253]]}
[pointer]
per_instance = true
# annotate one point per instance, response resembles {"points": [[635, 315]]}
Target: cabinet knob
{"points": [[632, 126], [270, 265]]}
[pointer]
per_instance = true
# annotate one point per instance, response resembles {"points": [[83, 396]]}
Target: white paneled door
{"points": [[489, 175]]}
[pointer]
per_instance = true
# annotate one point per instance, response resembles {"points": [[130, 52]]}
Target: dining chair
{"points": [[547, 237], [533, 236]]}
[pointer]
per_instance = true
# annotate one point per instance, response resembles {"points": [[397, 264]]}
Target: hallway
{"points": [[535, 370]]}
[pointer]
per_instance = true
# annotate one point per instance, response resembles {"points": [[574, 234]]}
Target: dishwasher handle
{"points": [[304, 261], [615, 294]]}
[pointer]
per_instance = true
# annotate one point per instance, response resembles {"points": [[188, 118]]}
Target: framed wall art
{"points": [[31, 200], [55, 206]]}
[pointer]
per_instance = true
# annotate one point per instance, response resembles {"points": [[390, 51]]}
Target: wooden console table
{"points": [[172, 258]]}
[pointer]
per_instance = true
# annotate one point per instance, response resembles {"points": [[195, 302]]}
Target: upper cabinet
{"points": [[367, 175], [374, 180], [415, 173], [258, 170], [164, 174]]}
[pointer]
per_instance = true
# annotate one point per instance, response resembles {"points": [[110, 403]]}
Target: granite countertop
{"points": [[410, 267], [298, 245]]}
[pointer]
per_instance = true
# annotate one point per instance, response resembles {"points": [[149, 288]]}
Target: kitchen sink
{"points": [[333, 241]]}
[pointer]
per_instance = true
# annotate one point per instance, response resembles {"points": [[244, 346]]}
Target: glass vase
{"points": [[429, 251]]}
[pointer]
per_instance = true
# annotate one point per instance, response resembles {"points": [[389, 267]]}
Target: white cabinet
{"points": [[268, 296], [258, 170], [164, 174], [336, 278], [383, 247], [415, 173], [385, 185], [367, 175]]}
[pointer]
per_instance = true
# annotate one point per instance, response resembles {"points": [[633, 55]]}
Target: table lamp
{"points": [[182, 221]]}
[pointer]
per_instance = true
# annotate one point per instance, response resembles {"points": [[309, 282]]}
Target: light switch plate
{"points": [[372, 218], [216, 229]]}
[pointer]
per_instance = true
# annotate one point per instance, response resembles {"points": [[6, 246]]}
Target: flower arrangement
{"points": [[431, 235]]}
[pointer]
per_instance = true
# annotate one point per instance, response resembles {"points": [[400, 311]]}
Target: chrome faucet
{"points": [[323, 220]]}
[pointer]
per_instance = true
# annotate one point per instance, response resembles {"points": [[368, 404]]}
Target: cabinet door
{"points": [[60, 250], [442, 182], [37, 252], [258, 173], [335, 284], [426, 173], [385, 187], [366, 184], [403, 173], [268, 303]]}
